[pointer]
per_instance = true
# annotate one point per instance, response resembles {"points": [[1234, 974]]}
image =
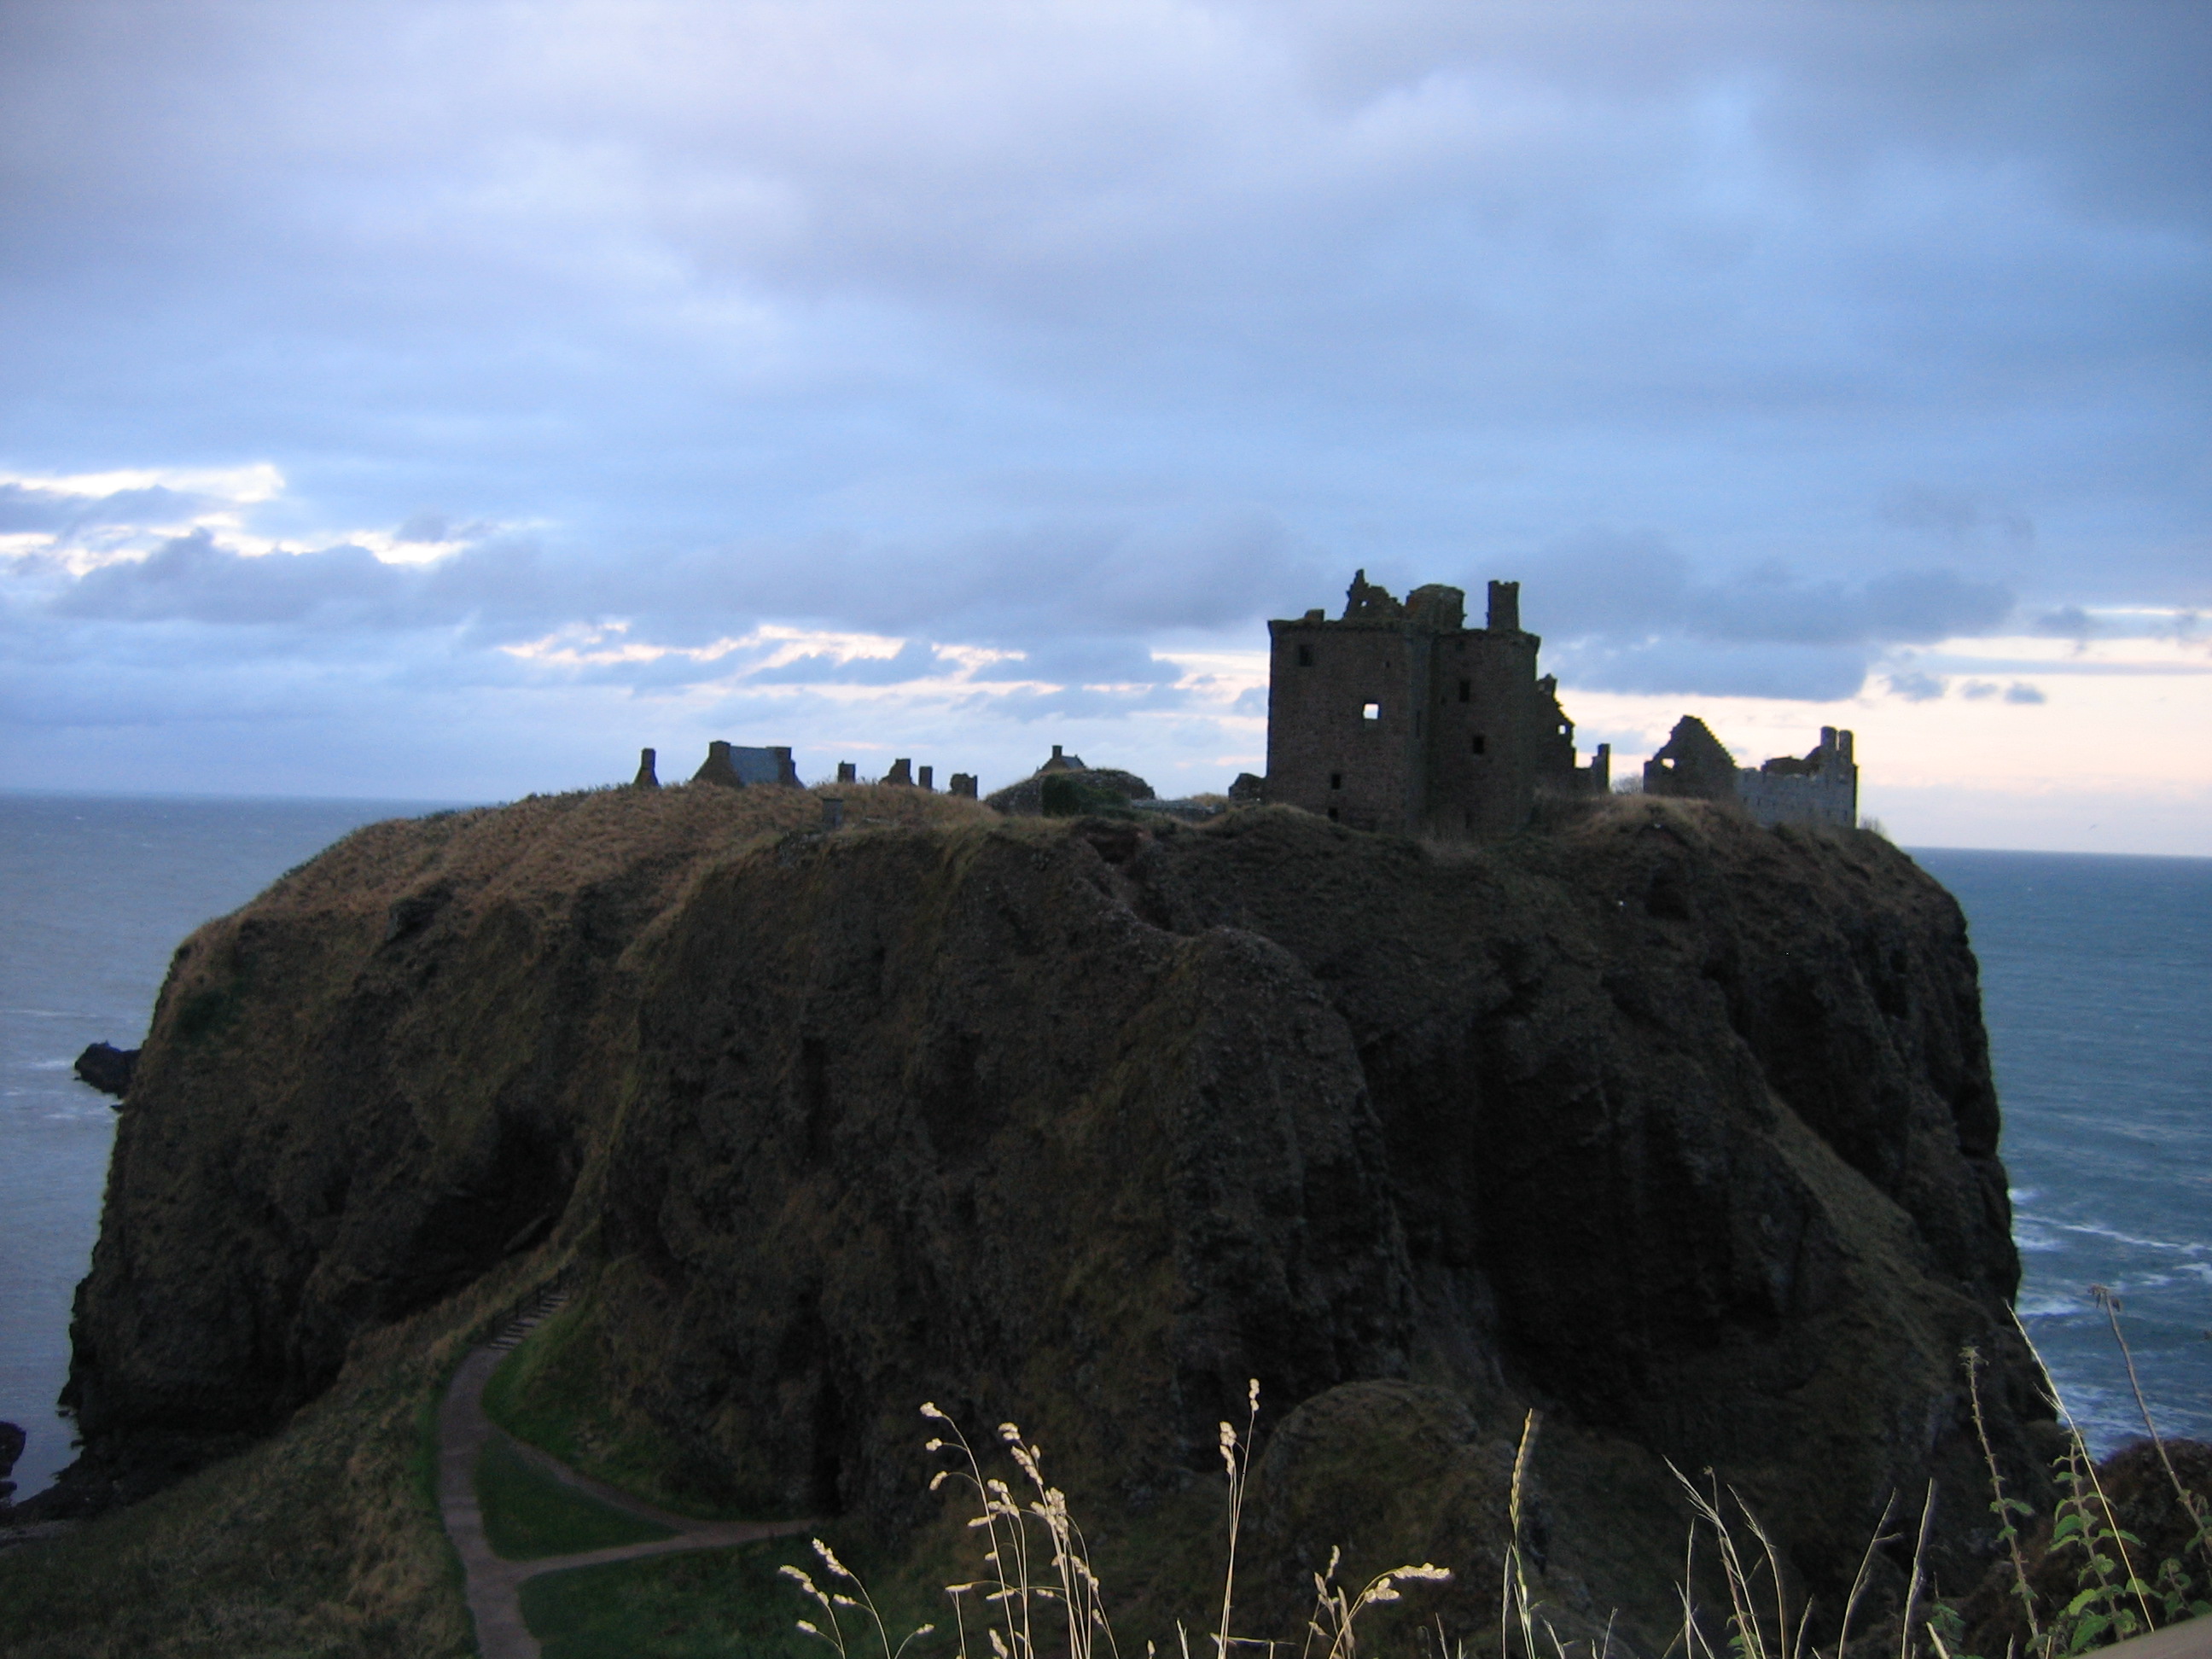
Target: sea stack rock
{"points": [[107, 1068], [1676, 1130]]}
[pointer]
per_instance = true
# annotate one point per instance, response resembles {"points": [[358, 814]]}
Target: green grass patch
{"points": [[553, 1392], [529, 1514], [321, 1542], [731, 1603]]}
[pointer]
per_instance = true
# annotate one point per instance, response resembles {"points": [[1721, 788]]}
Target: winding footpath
{"points": [[494, 1585]]}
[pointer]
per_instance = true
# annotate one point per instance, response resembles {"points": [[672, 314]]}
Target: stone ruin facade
{"points": [[904, 774], [735, 767], [1397, 716], [1822, 788]]}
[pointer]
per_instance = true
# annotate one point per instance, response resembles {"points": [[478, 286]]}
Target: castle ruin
{"points": [[735, 767], [1397, 716], [1821, 787]]}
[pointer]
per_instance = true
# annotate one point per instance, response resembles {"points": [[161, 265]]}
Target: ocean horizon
{"points": [[2096, 970]]}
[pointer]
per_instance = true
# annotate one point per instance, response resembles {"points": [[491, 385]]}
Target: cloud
{"points": [[1688, 666], [1916, 687], [2069, 622], [190, 578], [1957, 516], [2022, 691], [1072, 331], [1629, 612]]}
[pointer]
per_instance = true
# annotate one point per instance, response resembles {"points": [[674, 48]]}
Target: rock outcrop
{"points": [[107, 1068], [1680, 1130], [1028, 798], [12, 1441]]}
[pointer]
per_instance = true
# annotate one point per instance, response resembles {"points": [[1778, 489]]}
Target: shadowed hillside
{"points": [[1680, 1130]]}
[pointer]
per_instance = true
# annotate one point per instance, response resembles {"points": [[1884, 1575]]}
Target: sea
{"points": [[2096, 985]]}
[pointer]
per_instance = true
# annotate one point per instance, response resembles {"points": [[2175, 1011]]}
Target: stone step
{"points": [[513, 1333]]}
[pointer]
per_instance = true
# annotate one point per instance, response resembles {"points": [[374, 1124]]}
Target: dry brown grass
{"points": [[558, 843], [1038, 1593]]}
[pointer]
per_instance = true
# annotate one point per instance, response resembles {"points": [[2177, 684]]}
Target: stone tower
{"points": [[1399, 717]]}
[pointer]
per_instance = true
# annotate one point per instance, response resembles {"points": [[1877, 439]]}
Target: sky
{"points": [[443, 402]]}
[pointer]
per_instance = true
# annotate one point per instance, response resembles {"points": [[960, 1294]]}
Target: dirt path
{"points": [[495, 1586]]}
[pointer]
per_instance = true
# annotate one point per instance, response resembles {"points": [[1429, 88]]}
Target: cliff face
{"points": [[1682, 1129]]}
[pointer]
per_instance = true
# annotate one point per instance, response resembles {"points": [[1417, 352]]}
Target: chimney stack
{"points": [[1504, 608]]}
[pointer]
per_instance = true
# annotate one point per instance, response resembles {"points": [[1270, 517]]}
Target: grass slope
{"points": [[529, 1514], [324, 1540], [730, 1603], [552, 1392]]}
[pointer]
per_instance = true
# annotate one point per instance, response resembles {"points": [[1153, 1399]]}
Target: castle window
{"points": [[1332, 815], [1466, 691], [1481, 745], [1305, 656], [1336, 780], [1371, 711]]}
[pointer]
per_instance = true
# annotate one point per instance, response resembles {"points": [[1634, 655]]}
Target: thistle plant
{"points": [[2009, 1511]]}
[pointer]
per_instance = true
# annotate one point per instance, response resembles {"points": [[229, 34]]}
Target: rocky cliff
{"points": [[1680, 1130]]}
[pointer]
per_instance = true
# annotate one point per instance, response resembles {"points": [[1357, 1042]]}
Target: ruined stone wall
{"points": [[1773, 798], [1399, 717], [1324, 753], [1484, 749]]}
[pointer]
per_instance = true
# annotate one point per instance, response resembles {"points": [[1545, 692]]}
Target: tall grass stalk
{"points": [[1919, 1575], [1513, 1607], [2192, 1505], [1746, 1633], [1017, 1582], [2082, 1468]]}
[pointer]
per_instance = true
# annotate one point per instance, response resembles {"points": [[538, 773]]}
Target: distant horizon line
{"points": [[425, 804]]}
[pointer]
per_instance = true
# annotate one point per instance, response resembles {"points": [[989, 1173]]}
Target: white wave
{"points": [[2182, 1247], [2049, 1306]]}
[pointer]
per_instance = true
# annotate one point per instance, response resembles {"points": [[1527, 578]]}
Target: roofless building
{"points": [[1398, 716]]}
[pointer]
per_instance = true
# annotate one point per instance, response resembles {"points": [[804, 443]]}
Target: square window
{"points": [[1305, 656], [1336, 780], [1466, 691], [1371, 711], [1481, 747]]}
